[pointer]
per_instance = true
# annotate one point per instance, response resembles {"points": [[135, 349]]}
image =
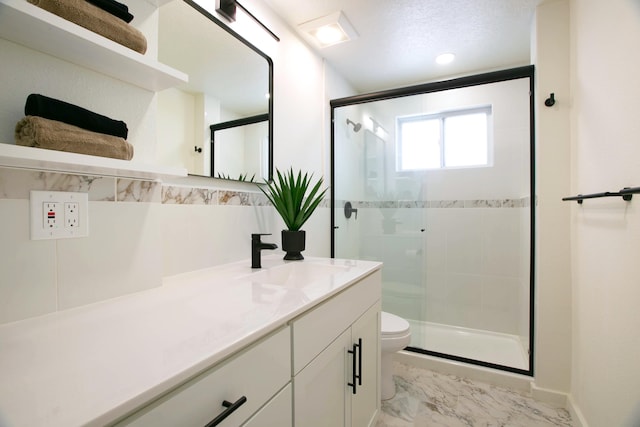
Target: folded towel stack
{"points": [[56, 125], [96, 19], [54, 109], [115, 8]]}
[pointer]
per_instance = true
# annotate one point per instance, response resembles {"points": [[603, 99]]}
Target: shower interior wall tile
{"points": [[500, 304], [436, 240], [512, 154], [28, 285], [369, 221], [121, 255], [501, 254], [464, 241], [436, 294], [349, 238], [463, 300]]}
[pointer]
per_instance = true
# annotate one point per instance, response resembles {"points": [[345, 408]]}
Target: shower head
{"points": [[356, 126]]}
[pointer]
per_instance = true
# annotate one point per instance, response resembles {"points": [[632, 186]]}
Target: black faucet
{"points": [[256, 247]]}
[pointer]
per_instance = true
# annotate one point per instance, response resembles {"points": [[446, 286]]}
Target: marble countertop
{"points": [[93, 364]]}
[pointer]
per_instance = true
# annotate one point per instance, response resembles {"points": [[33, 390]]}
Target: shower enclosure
{"points": [[436, 181]]}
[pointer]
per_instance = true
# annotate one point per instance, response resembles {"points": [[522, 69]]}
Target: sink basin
{"points": [[296, 273]]}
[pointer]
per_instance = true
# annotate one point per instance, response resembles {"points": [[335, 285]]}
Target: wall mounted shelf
{"points": [[30, 26], [17, 156]]}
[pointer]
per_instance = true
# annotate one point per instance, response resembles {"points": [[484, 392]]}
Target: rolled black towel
{"points": [[115, 8], [54, 109]]}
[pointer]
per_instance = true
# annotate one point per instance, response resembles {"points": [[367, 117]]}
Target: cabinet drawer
{"points": [[277, 413], [256, 373], [315, 330]]}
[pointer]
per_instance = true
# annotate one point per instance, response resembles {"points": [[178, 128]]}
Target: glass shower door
{"points": [[438, 185]]}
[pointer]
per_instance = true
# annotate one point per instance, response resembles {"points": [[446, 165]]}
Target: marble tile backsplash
{"points": [[16, 184]]}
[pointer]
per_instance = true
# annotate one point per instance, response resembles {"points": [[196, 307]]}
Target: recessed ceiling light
{"points": [[329, 34], [329, 30], [445, 58]]}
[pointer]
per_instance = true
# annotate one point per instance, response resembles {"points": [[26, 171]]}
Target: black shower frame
{"points": [[457, 83]]}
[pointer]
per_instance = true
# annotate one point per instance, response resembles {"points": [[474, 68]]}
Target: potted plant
{"points": [[288, 194]]}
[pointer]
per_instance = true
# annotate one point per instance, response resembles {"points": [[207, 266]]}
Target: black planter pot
{"points": [[293, 244]]}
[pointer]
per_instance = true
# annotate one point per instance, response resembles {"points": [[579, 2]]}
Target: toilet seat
{"points": [[393, 326]]}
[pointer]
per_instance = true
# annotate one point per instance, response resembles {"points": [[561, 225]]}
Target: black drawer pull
{"points": [[231, 407]]}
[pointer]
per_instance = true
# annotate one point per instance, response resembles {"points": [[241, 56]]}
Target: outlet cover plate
{"points": [[46, 225]]}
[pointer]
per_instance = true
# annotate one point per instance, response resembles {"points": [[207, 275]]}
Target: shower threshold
{"points": [[474, 344]]}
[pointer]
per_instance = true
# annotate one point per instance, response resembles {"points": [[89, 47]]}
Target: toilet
{"points": [[395, 335]]}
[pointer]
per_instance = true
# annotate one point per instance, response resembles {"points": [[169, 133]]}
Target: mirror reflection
{"points": [[240, 149], [229, 80]]}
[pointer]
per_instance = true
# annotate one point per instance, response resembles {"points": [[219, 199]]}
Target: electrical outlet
{"points": [[51, 215], [71, 215], [59, 214]]}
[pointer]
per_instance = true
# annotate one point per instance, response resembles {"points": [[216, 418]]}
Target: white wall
{"points": [[176, 128], [605, 233], [587, 286], [550, 52]]}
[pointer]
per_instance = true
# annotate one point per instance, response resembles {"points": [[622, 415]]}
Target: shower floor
{"points": [[485, 346]]}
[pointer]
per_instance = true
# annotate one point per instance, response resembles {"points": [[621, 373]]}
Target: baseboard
{"points": [[576, 414], [552, 397]]}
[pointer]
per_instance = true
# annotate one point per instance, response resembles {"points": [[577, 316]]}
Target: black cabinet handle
{"points": [[231, 407], [359, 361], [353, 368], [356, 367]]}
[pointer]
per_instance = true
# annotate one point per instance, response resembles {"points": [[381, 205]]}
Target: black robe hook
{"points": [[549, 102]]}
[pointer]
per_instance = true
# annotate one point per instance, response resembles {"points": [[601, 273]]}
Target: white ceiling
{"points": [[399, 39]]}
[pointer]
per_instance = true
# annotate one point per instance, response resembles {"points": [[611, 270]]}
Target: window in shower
{"points": [[449, 139]]}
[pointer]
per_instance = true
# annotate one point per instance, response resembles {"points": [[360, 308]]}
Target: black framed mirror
{"points": [[230, 81]]}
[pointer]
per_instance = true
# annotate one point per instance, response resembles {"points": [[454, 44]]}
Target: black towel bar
{"points": [[626, 194]]}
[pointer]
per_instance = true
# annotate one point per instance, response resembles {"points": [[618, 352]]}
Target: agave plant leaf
{"points": [[288, 194]]}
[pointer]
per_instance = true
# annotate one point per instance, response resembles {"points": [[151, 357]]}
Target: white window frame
{"points": [[441, 117]]}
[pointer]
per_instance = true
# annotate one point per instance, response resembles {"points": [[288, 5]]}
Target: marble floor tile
{"points": [[425, 398]]}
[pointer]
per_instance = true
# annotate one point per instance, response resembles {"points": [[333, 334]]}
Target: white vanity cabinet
{"points": [[283, 352], [256, 380], [336, 359]]}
